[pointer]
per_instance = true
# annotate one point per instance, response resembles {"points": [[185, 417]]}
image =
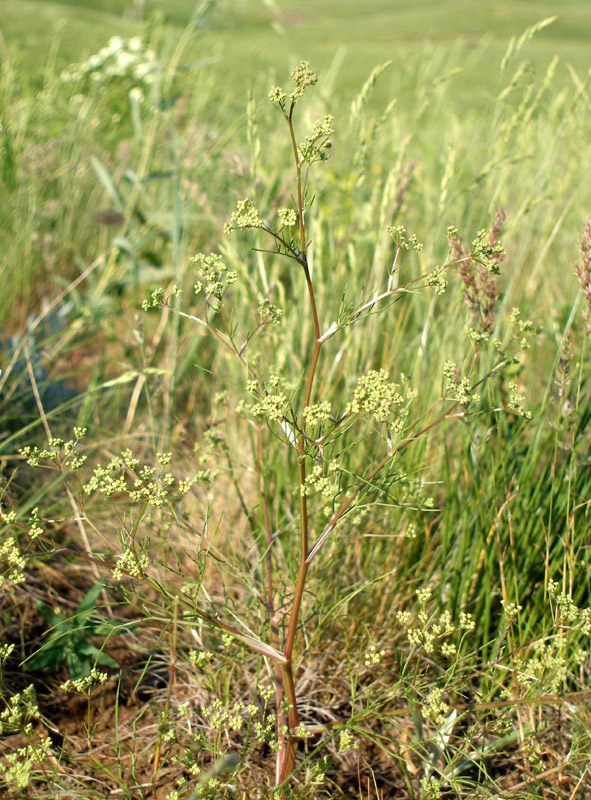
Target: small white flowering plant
{"points": [[130, 62]]}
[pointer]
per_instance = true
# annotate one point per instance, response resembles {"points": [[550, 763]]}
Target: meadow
{"points": [[296, 301]]}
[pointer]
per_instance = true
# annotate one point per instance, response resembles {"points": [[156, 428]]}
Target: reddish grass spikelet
{"points": [[480, 290], [583, 272]]}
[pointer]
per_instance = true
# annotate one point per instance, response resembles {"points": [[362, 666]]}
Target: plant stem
{"points": [[286, 756]]}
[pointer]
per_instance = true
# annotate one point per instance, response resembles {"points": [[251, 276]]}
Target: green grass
{"points": [[264, 40]]}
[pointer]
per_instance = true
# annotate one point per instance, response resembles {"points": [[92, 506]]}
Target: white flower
{"points": [[136, 95], [142, 70], [134, 44], [125, 59], [115, 44]]}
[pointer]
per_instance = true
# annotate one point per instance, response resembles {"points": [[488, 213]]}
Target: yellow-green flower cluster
{"points": [[130, 562], [401, 238], [20, 712], [302, 76], [245, 216], [487, 254], [437, 280], [552, 658], [85, 685], [375, 395], [516, 401], [272, 406], [13, 560], [317, 481], [318, 142], [21, 764], [239, 715], [459, 388], [347, 741], [431, 788], [435, 709], [58, 452], [269, 313], [512, 610], [524, 328], [568, 614], [547, 668], [434, 632], [156, 300], [278, 96], [35, 529], [317, 413], [287, 217], [373, 656], [533, 753], [107, 480], [214, 275], [149, 484]]}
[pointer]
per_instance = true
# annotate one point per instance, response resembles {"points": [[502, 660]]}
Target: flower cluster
{"points": [[58, 452], [20, 712], [524, 328], [567, 614], [21, 764], [273, 405], [533, 753], [431, 788], [245, 216], [486, 249], [155, 301], [287, 218], [373, 656], [132, 563], [149, 484], [317, 481], [240, 715], [516, 401], [512, 610], [459, 388], [437, 280], [213, 274], [401, 238], [548, 666], [269, 313], [347, 741], [123, 59], [436, 708], [434, 631], [302, 77], [319, 141], [13, 560], [375, 395], [85, 685], [317, 412]]}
